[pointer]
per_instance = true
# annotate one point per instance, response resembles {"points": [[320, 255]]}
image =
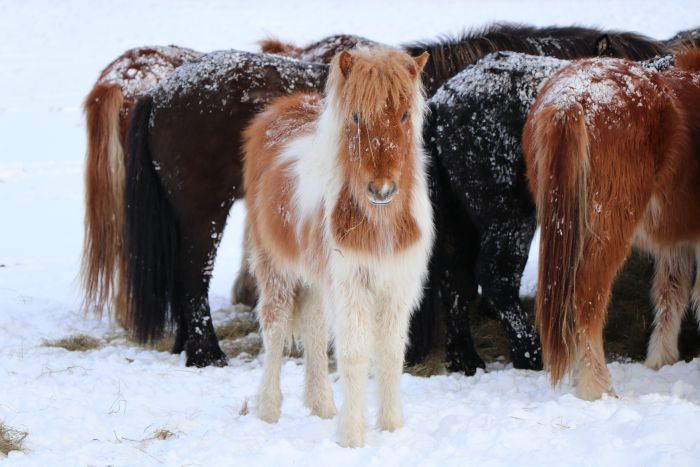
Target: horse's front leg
{"points": [[390, 337], [275, 309], [353, 334], [318, 395]]}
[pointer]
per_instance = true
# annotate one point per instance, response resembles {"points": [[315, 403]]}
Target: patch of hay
{"points": [[434, 364], [11, 439], [249, 346], [240, 326], [163, 435], [244, 409], [164, 344], [77, 343]]}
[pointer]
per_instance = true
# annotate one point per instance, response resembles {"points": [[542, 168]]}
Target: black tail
{"points": [[151, 235]]}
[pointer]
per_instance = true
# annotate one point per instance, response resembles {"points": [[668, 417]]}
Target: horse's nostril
{"points": [[389, 188], [372, 189]]}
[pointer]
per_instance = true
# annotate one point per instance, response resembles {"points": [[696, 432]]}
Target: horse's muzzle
{"points": [[382, 195]]}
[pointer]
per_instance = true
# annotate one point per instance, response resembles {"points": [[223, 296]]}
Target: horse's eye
{"points": [[404, 117], [355, 119]]}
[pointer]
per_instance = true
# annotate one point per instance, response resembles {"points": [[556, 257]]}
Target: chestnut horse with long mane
{"points": [[613, 160], [340, 218]]}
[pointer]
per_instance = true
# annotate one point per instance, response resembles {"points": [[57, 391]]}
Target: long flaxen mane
{"points": [[380, 77]]}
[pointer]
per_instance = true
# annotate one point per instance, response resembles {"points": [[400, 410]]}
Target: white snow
{"points": [[104, 407]]}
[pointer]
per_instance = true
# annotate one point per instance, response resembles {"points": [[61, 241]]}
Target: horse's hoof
{"points": [[202, 357], [467, 364], [390, 420], [269, 407], [530, 360], [322, 406], [594, 392], [326, 412], [351, 430]]}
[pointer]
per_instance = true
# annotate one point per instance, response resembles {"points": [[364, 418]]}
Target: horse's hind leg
{"points": [[673, 277], [455, 271], [199, 240], [504, 249], [594, 282], [314, 335], [244, 290], [275, 309]]}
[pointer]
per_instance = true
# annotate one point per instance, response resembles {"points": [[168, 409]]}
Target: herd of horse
{"points": [[362, 204]]}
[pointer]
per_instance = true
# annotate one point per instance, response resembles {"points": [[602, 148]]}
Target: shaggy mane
{"points": [[455, 52], [380, 77]]}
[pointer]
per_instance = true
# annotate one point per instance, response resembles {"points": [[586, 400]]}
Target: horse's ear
{"points": [[345, 61], [602, 45], [420, 60]]}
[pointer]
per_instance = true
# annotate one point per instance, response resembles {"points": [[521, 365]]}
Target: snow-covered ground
{"points": [[108, 406]]}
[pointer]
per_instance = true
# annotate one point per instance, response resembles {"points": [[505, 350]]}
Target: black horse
{"points": [[474, 132], [184, 168]]}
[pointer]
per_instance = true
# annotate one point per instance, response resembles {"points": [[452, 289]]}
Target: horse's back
{"points": [[200, 112]]}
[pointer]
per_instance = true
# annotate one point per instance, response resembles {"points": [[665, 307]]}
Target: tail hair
{"points": [[102, 259], [689, 59], [558, 142], [151, 235]]}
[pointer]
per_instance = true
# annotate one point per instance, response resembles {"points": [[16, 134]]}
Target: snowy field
{"points": [[124, 405]]}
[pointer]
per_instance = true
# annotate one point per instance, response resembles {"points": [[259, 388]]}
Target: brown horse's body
{"points": [[613, 155]]}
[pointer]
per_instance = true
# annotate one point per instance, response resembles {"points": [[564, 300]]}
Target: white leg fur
{"points": [[318, 394], [591, 376], [353, 332], [390, 337], [275, 314], [671, 292], [695, 299]]}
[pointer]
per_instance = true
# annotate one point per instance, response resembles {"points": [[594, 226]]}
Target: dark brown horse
{"points": [[185, 166], [613, 160]]}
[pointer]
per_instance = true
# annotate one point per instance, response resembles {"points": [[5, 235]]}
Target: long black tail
{"points": [[151, 235]]}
